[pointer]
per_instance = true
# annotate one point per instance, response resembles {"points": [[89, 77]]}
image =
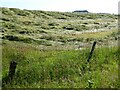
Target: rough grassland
{"points": [[61, 69], [51, 49], [57, 29]]}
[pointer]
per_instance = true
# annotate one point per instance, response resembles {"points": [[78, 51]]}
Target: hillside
{"points": [[51, 49], [57, 29]]}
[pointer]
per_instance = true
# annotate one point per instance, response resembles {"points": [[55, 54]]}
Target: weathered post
{"points": [[11, 71], [93, 47]]}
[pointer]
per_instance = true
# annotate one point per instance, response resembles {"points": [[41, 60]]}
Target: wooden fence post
{"points": [[93, 47], [11, 70]]}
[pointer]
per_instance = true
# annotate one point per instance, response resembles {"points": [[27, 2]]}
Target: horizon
{"points": [[61, 11], [96, 6]]}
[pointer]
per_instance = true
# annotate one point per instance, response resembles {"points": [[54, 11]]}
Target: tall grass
{"points": [[61, 69]]}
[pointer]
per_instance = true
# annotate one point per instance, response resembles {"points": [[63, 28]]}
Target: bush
{"points": [[18, 38], [10, 25], [7, 11], [53, 24], [45, 27], [79, 39], [68, 28], [89, 39], [24, 32], [20, 12], [5, 19], [48, 37]]}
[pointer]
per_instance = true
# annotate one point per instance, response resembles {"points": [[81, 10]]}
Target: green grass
{"points": [[61, 69], [57, 27], [44, 44]]}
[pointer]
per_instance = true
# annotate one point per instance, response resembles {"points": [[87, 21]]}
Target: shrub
{"points": [[79, 39], [5, 19], [41, 31], [89, 39], [45, 27], [53, 24], [48, 37], [68, 28], [24, 32], [6, 11], [10, 25], [18, 38], [20, 12]]}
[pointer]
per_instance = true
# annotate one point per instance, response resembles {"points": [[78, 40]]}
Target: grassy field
{"points": [[61, 69], [53, 29], [51, 49]]}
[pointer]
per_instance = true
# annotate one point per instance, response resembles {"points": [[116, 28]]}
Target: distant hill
{"points": [[81, 11]]}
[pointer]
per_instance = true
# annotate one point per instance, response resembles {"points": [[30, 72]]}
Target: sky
{"points": [[95, 6]]}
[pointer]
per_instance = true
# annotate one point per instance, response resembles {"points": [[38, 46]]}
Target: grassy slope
{"points": [[27, 35], [63, 29]]}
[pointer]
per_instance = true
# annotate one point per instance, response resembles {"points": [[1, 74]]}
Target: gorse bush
{"points": [[17, 38], [9, 25], [76, 27], [6, 11], [20, 12]]}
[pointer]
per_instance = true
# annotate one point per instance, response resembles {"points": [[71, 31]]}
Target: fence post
{"points": [[11, 70], [91, 52]]}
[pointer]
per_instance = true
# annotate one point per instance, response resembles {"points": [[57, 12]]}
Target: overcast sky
{"points": [[95, 6]]}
